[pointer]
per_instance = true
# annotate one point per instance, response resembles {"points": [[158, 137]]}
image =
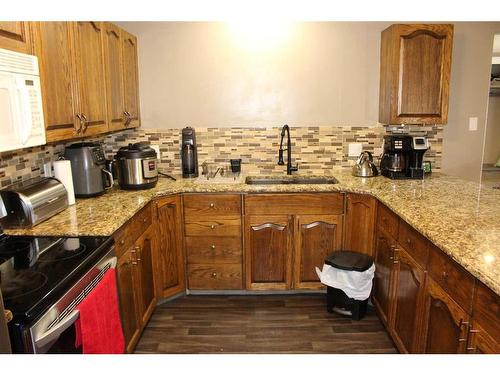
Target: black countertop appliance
{"points": [[189, 153], [402, 156]]}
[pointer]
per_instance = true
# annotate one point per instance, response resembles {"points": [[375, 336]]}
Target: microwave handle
{"points": [[26, 121], [53, 334]]}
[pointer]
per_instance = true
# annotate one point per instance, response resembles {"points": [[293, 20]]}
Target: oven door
{"points": [[55, 330]]}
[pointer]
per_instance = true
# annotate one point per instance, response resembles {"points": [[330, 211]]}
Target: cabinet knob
{"points": [[144, 220], [214, 275], [408, 241], [445, 275], [122, 242], [213, 247], [212, 226], [212, 205]]}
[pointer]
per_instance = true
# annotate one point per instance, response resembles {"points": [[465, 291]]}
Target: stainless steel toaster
{"points": [[28, 203]]}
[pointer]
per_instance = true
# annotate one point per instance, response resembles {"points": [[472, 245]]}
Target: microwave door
{"points": [[9, 114], [25, 119]]}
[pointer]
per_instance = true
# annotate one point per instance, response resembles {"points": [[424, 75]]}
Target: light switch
{"points": [[355, 149], [472, 124]]}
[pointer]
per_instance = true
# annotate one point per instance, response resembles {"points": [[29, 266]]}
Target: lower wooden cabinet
{"points": [[359, 233], [382, 288], [268, 252], [445, 323], [408, 293], [170, 275], [316, 236], [215, 276], [146, 289]]}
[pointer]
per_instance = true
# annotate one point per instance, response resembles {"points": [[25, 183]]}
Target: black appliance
{"points": [[43, 279], [88, 169], [402, 156], [189, 153]]}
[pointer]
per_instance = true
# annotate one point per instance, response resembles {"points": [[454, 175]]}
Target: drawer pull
{"points": [[408, 241], [212, 226], [212, 247], [212, 205], [122, 242], [214, 275], [445, 275], [144, 220]]}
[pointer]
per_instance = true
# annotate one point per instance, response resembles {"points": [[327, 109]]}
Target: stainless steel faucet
{"points": [[289, 168]]}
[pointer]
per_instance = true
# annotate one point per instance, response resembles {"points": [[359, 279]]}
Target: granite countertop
{"points": [[460, 217]]}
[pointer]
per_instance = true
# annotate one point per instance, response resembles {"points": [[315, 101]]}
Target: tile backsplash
{"points": [[315, 148]]}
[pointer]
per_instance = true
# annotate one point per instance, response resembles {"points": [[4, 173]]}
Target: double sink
{"points": [[289, 180]]}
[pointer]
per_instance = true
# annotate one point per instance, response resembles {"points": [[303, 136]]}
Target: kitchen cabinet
{"points": [[16, 36], [213, 238], [316, 236], [415, 65], [130, 79], [145, 287], [359, 234], [170, 255], [445, 322], [408, 293]]}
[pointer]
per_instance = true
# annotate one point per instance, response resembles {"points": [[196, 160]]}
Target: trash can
{"points": [[348, 276]]}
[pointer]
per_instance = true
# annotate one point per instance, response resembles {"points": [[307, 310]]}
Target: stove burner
{"points": [[62, 254], [22, 284]]}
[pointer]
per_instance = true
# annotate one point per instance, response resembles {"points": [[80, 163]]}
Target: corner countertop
{"points": [[462, 218]]}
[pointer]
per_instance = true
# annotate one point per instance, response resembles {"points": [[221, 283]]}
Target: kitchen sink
{"points": [[289, 180]]}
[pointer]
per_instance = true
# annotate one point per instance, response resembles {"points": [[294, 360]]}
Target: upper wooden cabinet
{"points": [[415, 64], [120, 50], [16, 36]]}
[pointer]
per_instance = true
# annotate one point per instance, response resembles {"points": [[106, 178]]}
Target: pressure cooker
{"points": [[136, 166]]}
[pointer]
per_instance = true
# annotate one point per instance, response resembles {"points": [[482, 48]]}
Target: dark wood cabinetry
{"points": [[170, 255], [359, 233], [415, 64], [16, 36], [382, 287], [144, 248], [130, 79]]}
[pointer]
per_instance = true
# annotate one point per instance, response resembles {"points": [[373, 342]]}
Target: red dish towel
{"points": [[99, 329]]}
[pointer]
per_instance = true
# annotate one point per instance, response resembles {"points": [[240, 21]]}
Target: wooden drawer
{"points": [[216, 227], [387, 220], [210, 250], [215, 276], [456, 281], [132, 229], [486, 310], [197, 206], [293, 204], [414, 243]]}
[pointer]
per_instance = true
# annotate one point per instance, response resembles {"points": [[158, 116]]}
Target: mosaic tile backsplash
{"points": [[314, 148]]}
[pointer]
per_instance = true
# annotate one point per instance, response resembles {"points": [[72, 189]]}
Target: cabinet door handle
{"points": [[214, 275], [463, 329], [84, 126], [212, 205], [139, 250], [212, 226], [80, 119], [470, 344], [212, 247]]}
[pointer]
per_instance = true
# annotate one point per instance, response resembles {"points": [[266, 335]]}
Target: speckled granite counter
{"points": [[458, 216]]}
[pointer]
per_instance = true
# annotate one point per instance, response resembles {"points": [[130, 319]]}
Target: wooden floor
{"points": [[259, 324]]}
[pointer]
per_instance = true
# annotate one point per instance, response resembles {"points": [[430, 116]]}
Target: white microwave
{"points": [[21, 112]]}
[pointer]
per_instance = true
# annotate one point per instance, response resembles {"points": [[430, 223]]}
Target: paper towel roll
{"points": [[62, 171]]}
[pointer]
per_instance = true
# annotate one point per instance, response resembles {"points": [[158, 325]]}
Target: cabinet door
{"points": [[408, 297], [54, 48], [359, 232], [16, 36], [444, 322], [131, 77], [126, 280], [114, 76], [382, 290], [170, 263], [89, 54], [146, 292], [480, 342], [268, 248], [316, 236]]}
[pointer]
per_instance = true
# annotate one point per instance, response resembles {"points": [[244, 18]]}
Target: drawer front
{"points": [[211, 250], [294, 204], [211, 205], [456, 281], [132, 230], [414, 243], [215, 276], [486, 310], [388, 221], [218, 227]]}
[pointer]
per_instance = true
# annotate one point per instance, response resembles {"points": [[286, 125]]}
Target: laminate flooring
{"points": [[259, 324]]}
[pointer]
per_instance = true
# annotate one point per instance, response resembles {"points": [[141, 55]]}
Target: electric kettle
{"points": [[364, 166]]}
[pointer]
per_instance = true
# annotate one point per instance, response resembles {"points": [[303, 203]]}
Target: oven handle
{"points": [[52, 334]]}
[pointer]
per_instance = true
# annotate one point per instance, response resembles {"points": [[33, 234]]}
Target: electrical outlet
{"points": [[472, 124]]}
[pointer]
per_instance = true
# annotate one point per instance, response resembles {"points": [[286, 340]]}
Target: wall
{"points": [[470, 72], [205, 74]]}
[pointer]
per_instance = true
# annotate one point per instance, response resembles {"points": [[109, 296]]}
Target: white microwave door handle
{"points": [[24, 130]]}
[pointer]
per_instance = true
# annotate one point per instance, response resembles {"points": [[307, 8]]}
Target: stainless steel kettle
{"points": [[364, 166]]}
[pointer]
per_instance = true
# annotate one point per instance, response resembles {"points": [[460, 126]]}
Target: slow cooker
{"points": [[136, 166]]}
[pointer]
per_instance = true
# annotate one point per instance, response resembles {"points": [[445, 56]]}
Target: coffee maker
{"points": [[189, 153], [402, 156]]}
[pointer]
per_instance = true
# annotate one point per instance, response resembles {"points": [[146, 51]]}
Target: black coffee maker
{"points": [[189, 153], [403, 155]]}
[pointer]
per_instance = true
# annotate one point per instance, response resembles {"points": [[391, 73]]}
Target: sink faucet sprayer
{"points": [[289, 168]]}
